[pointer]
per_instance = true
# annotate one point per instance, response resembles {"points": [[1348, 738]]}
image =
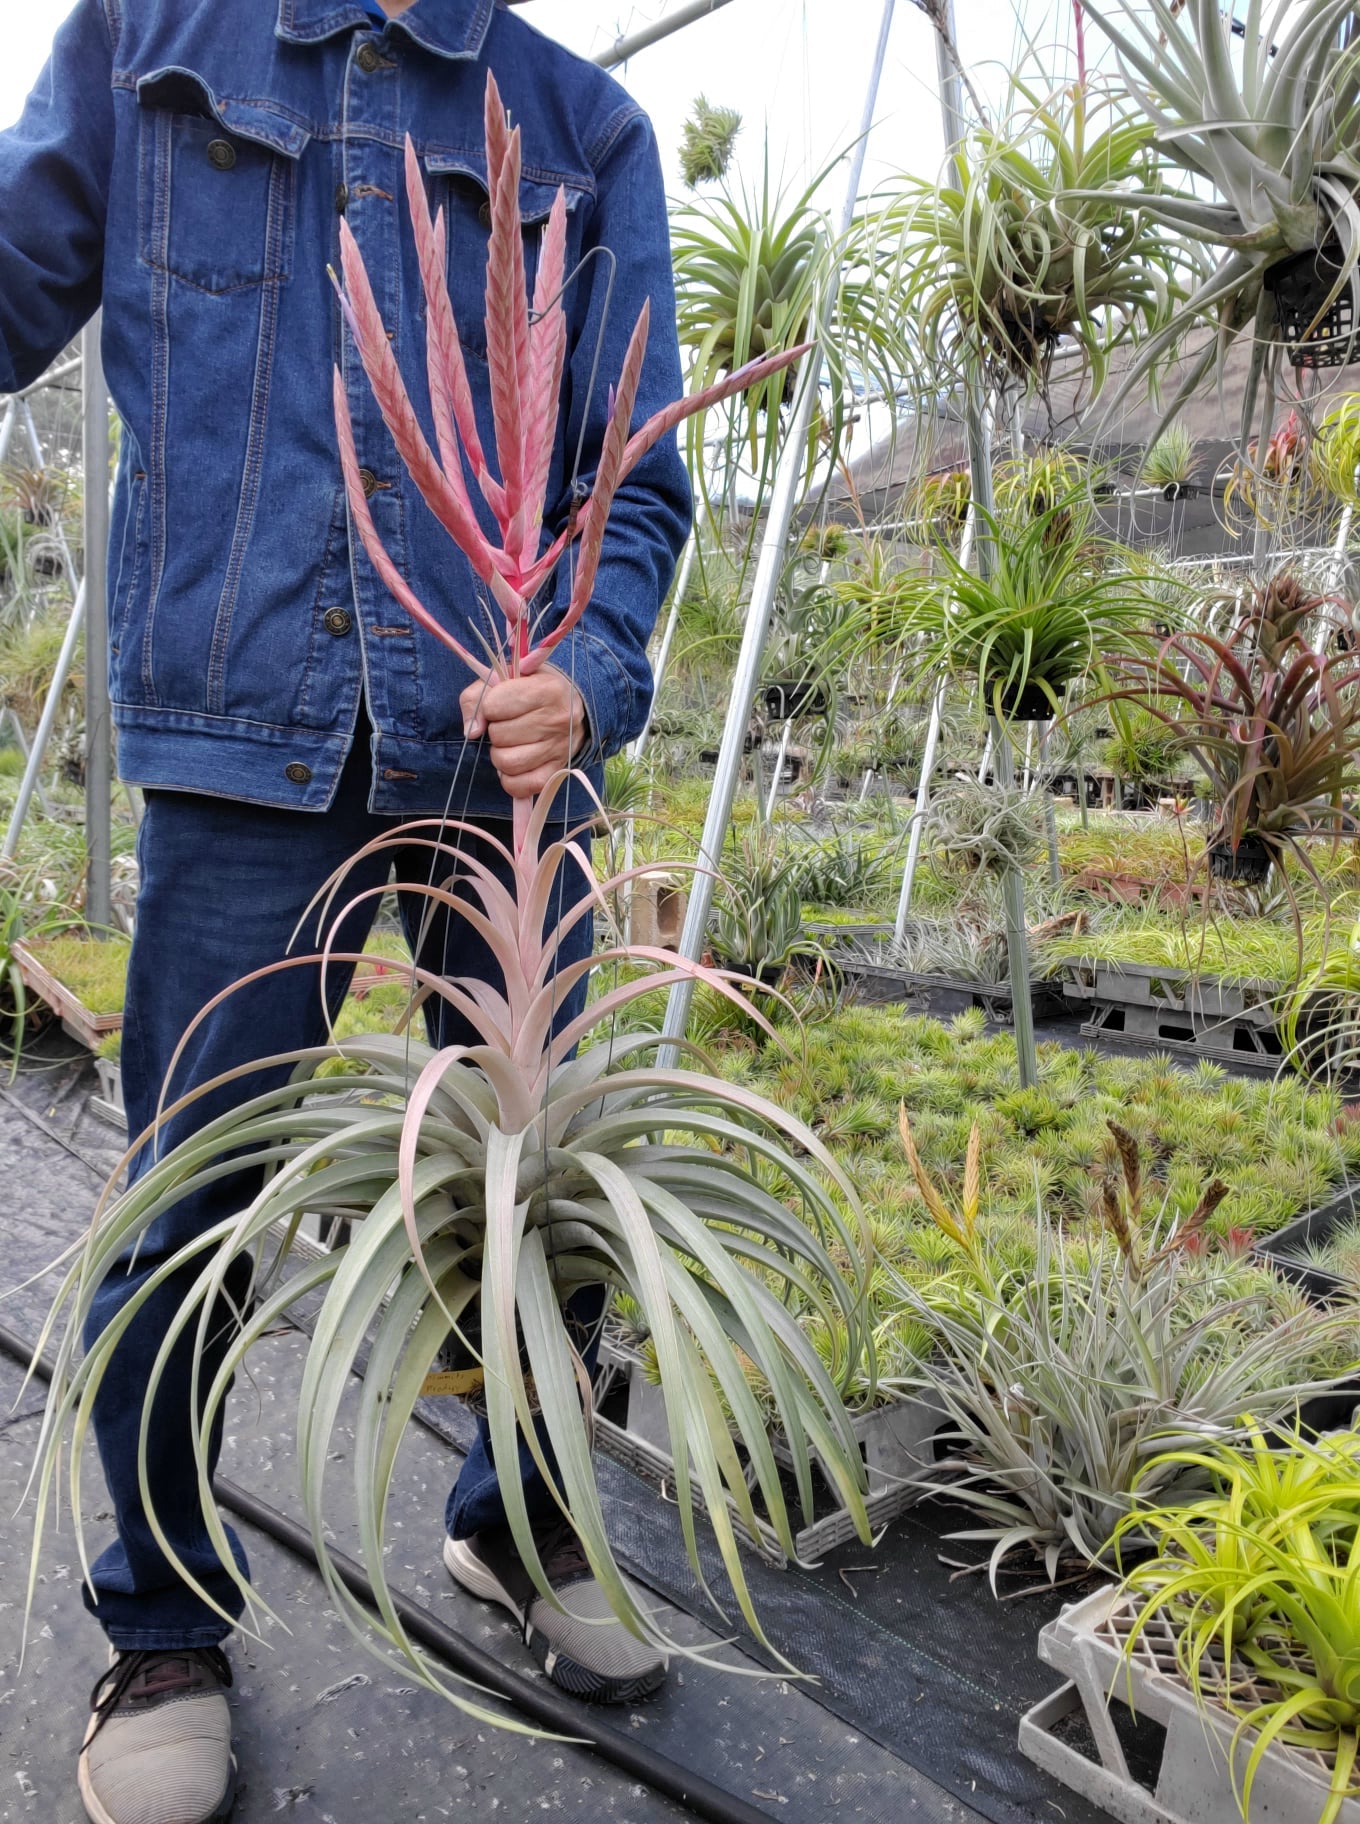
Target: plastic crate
{"points": [[1201, 1749], [895, 1441], [944, 995], [1176, 1010]]}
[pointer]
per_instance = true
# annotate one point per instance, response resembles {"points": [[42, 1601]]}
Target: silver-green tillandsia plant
{"points": [[1270, 122], [1036, 240], [485, 1182]]}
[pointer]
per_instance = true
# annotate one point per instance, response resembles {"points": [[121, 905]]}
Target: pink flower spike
{"points": [[388, 574], [507, 315], [384, 376], [547, 356], [606, 482], [450, 394]]}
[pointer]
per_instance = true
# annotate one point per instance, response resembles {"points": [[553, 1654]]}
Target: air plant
{"points": [[750, 270], [1052, 612], [484, 1183], [757, 926], [1170, 460], [1261, 1576], [1279, 480], [1067, 1384], [1270, 124], [1042, 240], [707, 141], [1273, 720], [1336, 450]]}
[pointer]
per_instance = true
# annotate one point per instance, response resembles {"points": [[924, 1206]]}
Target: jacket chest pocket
{"points": [[459, 187], [217, 200]]}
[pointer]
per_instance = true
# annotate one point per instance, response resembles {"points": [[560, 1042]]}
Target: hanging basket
{"points": [[1300, 284]]}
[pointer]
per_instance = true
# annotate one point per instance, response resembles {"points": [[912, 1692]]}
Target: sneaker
{"points": [[158, 1748], [584, 1651]]}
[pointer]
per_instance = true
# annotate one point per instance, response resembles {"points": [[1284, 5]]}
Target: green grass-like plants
{"points": [[1261, 1575]]}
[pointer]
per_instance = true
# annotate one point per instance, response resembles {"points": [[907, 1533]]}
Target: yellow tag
{"points": [[457, 1382]]}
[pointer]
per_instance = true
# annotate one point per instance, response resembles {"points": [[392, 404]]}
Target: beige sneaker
{"points": [[158, 1748], [586, 1651]]}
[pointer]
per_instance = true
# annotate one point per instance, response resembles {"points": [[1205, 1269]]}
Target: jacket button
{"points": [[341, 198], [337, 621], [369, 58], [484, 215], [297, 772], [221, 154], [368, 481]]}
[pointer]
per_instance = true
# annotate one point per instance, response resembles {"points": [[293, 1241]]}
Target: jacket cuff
{"points": [[606, 690]]}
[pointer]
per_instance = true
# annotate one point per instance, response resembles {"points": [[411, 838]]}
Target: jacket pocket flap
{"points": [[536, 192], [264, 122]]}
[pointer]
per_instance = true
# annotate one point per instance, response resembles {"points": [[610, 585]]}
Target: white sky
{"points": [[795, 68]]}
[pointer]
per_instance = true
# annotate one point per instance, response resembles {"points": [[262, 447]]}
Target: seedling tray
{"points": [[1177, 1010], [895, 1441], [943, 995], [1315, 1225], [1113, 1698], [89, 1028]]}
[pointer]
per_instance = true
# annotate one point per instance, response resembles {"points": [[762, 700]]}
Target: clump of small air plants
{"points": [[707, 141]]}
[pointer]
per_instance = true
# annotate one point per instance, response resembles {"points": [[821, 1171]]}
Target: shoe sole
{"points": [[569, 1675], [94, 1810]]}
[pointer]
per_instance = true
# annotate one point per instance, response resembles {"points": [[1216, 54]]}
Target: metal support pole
{"points": [[1050, 809], [769, 567], [7, 424], [1017, 937], [918, 813], [687, 562], [623, 48], [60, 673], [980, 467], [94, 444], [779, 768], [21, 742]]}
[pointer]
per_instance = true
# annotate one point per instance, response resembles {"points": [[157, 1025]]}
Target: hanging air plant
{"points": [[707, 141], [1271, 125], [1042, 244], [484, 1183]]}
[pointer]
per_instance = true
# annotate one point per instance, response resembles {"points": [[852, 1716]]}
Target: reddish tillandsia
{"points": [[526, 353]]}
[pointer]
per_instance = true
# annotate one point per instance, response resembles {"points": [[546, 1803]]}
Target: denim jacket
{"points": [[185, 165]]}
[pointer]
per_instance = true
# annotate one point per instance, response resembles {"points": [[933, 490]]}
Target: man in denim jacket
{"points": [[186, 167]]}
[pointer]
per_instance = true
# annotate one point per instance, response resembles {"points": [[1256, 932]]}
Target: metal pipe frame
{"points": [[769, 567]]}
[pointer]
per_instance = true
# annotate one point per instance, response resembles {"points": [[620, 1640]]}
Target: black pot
{"points": [[789, 697], [1028, 705], [1249, 863], [1300, 284]]}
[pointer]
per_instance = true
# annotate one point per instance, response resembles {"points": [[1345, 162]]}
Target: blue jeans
{"points": [[223, 884]]}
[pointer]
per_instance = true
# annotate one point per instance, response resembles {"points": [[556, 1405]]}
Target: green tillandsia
{"points": [[1036, 239], [1270, 123], [1054, 610], [1263, 1573], [1068, 1380]]}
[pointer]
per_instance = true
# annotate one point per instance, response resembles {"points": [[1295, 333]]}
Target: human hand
{"points": [[536, 726]]}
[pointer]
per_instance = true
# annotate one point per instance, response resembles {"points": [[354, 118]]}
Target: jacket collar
{"points": [[449, 28]]}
